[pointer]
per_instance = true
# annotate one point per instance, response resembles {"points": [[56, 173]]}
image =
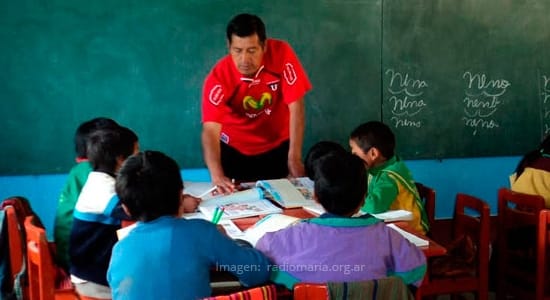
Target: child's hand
{"points": [[221, 229], [189, 203]]}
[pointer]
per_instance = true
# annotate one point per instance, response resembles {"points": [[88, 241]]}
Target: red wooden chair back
{"points": [[471, 219], [41, 268], [305, 291], [427, 195], [518, 218], [542, 255]]}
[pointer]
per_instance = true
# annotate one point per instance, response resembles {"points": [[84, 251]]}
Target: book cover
{"points": [[242, 204], [297, 192]]}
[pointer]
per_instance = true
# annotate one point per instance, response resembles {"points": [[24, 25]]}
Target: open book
{"points": [[419, 242], [289, 193], [240, 204], [269, 223]]}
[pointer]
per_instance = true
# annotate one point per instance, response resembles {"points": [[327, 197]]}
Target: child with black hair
{"points": [[391, 184], [532, 175], [98, 214], [166, 256], [317, 151], [336, 247], [75, 181]]}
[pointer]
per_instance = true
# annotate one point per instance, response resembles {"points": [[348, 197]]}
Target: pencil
{"points": [[210, 190]]}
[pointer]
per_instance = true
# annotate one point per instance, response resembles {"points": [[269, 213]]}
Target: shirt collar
{"points": [[377, 169], [328, 219], [252, 79]]}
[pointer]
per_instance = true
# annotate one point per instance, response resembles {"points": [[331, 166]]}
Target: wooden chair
{"points": [[543, 247], [427, 195], [41, 268], [305, 291], [518, 218], [266, 292], [16, 242], [472, 221]]}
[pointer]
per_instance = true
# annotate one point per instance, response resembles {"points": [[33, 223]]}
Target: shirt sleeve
{"points": [[247, 264], [214, 97], [295, 83], [409, 262], [383, 191]]}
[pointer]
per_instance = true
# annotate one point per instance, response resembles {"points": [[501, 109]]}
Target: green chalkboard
{"points": [[143, 63], [462, 78], [466, 78]]}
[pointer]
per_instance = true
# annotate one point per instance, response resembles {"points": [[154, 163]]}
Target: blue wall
{"points": [[479, 177]]}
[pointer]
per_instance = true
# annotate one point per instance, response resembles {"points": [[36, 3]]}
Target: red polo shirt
{"points": [[254, 111]]}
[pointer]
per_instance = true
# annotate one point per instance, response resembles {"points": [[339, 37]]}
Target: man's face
{"points": [[247, 53]]}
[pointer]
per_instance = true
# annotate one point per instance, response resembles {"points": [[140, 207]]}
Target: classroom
{"points": [[465, 85]]}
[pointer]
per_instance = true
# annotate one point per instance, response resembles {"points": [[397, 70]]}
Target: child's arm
{"points": [[382, 192], [247, 264], [408, 260]]}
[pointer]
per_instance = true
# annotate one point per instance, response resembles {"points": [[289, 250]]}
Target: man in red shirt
{"points": [[253, 109]]}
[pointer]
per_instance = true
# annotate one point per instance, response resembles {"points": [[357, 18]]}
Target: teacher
{"points": [[253, 109]]}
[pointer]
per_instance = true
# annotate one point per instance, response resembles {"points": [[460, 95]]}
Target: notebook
{"points": [[269, 223], [419, 242]]}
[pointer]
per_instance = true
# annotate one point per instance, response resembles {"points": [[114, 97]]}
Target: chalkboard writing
{"points": [[405, 97], [482, 100], [483, 68]]}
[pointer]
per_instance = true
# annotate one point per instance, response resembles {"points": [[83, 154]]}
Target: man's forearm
{"points": [[296, 126]]}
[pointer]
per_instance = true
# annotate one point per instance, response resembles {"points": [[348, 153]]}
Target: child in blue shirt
{"points": [[166, 256]]}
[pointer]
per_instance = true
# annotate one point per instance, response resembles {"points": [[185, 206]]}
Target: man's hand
{"points": [[224, 185], [296, 168]]}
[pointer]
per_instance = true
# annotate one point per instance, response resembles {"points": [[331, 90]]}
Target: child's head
{"points": [[317, 151], [373, 142], [108, 148], [84, 130], [340, 183], [149, 185], [528, 159]]}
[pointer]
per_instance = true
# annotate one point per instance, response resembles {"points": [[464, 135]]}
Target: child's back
{"points": [[337, 247], [532, 175], [165, 256], [98, 214], [75, 181]]}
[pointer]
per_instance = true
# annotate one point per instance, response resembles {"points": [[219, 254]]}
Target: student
{"points": [[391, 185], [75, 181], [97, 214], [532, 175], [336, 247], [165, 256], [253, 109], [317, 151]]}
